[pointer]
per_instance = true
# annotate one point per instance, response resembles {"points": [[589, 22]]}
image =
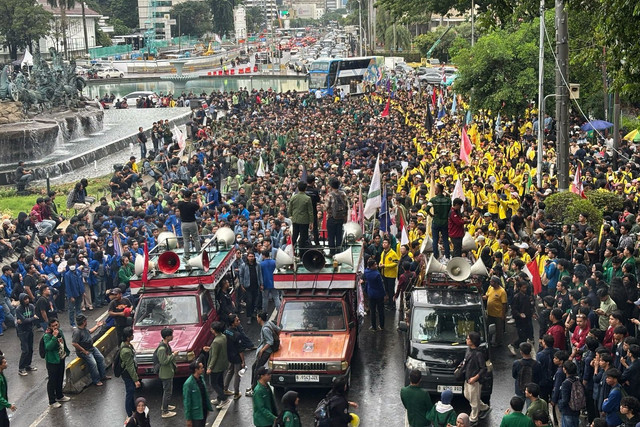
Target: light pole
{"points": [[541, 126], [541, 98], [360, 23]]}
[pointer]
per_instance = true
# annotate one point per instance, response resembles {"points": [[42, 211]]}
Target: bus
{"points": [[351, 75]]}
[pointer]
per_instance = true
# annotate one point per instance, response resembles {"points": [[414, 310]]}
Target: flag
{"points": [[404, 238], [465, 146], [384, 213], [441, 113], [468, 118], [577, 186], [360, 218], [434, 96], [260, 171], [533, 272], [27, 59], [303, 178], [117, 243], [145, 272], [385, 112], [216, 38], [454, 104], [529, 184], [428, 122], [373, 197], [180, 138], [458, 191], [443, 75]]}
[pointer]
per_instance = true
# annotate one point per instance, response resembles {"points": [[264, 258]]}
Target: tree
{"points": [[119, 27], [500, 72], [222, 16], [21, 23], [457, 38], [401, 38], [126, 11], [254, 19], [102, 38], [63, 5], [194, 16]]}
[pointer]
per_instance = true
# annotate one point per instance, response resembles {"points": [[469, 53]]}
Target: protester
{"points": [[4, 398], [265, 410], [83, 343], [140, 417], [26, 319], [195, 397], [416, 401], [56, 352], [442, 413], [217, 364], [167, 370]]}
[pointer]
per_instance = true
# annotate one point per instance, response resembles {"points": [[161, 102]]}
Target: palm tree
{"points": [[63, 5]]}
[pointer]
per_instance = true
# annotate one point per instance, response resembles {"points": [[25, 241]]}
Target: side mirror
{"points": [[352, 324], [205, 316], [403, 326], [492, 329]]}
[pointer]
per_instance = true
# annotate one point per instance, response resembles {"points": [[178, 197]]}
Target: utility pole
{"points": [[616, 128], [562, 95], [84, 27], [540, 93], [473, 22], [360, 23]]}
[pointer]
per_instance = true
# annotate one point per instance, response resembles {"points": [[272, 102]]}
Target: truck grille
{"points": [[441, 370], [142, 359], [306, 366]]}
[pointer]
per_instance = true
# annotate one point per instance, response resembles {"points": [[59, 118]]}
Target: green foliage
{"points": [[500, 72], [22, 22], [566, 207], [402, 39], [254, 19], [222, 13], [102, 39], [119, 28], [194, 16], [605, 201], [455, 40], [126, 11], [629, 123]]}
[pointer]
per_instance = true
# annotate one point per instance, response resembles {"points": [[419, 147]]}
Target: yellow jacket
{"points": [[389, 261]]}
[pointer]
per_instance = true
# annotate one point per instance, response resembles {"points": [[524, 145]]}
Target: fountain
{"points": [[179, 80]]}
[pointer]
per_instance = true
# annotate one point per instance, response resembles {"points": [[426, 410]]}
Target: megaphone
{"points": [[283, 259], [225, 235], [139, 265], [427, 245], [345, 257], [313, 260], [169, 262], [200, 262], [433, 266], [479, 269], [469, 243], [459, 269], [352, 232], [168, 240]]}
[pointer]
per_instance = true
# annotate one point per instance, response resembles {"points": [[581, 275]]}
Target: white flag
{"points": [[260, 171], [404, 238], [374, 201], [458, 192], [27, 59], [180, 138]]}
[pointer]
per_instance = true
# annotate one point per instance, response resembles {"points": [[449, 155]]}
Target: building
{"points": [[240, 22], [267, 6], [157, 13]]}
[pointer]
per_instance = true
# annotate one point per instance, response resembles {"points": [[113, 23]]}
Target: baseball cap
{"points": [[115, 291], [262, 371]]}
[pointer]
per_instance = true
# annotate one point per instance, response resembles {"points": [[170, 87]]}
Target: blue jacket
{"points": [[245, 275], [268, 266], [8, 284], [565, 395], [552, 272], [611, 406], [558, 380], [374, 285], [73, 283]]}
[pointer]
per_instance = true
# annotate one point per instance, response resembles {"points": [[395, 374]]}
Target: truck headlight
{"points": [[185, 356], [277, 366], [412, 363]]}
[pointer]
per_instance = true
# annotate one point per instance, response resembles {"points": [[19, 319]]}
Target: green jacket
{"points": [[125, 273], [167, 361], [443, 417], [441, 208], [128, 361], [51, 354], [218, 359], [300, 209], [291, 419], [417, 402], [264, 406], [4, 397], [538, 405], [516, 419], [192, 400]]}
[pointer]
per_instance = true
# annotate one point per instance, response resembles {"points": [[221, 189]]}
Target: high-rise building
{"points": [[156, 13], [269, 8]]}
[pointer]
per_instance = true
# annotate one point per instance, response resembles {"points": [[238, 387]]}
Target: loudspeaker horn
{"points": [[200, 262], [427, 245], [469, 243], [479, 269], [344, 257], [433, 266], [226, 235], [139, 265], [313, 260], [459, 269], [168, 240], [169, 262], [283, 259], [352, 232]]}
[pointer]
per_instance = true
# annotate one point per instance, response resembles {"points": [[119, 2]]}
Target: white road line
{"points": [[40, 418], [218, 421], [102, 316]]}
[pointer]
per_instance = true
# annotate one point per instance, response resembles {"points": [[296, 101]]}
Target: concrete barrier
{"points": [[77, 372]]}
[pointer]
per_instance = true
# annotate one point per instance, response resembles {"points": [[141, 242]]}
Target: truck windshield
{"points": [[445, 325], [313, 316], [167, 310]]}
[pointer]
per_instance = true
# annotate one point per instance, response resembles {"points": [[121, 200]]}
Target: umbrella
{"points": [[634, 136], [596, 125]]}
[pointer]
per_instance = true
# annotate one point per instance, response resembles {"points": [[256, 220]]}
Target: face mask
{"points": [[72, 267], [110, 245], [56, 259]]}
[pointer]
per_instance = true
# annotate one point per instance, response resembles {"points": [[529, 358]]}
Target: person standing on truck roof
{"points": [[441, 206], [268, 330], [188, 208], [218, 364], [496, 298], [314, 194], [251, 280], [167, 370], [389, 271], [376, 293], [416, 400], [268, 266], [335, 217], [300, 209]]}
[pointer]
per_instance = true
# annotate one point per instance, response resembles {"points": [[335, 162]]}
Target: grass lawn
{"points": [[11, 204]]}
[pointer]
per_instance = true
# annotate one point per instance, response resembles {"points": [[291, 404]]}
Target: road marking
{"points": [[40, 418], [102, 316], [218, 421]]}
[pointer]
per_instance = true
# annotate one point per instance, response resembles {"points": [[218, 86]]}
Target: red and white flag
{"points": [[465, 146], [533, 272], [145, 272], [577, 186], [387, 106]]}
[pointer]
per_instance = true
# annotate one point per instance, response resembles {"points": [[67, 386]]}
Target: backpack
{"points": [[41, 350], [117, 364], [276, 338], [322, 413], [339, 206], [156, 360], [525, 375], [577, 400], [153, 189]]}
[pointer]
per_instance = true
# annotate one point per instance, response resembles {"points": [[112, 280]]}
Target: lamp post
{"points": [[541, 138], [360, 23], [84, 27]]}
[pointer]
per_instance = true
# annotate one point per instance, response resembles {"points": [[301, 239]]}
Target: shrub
{"points": [[606, 201], [565, 207]]}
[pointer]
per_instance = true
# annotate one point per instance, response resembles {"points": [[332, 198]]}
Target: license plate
{"points": [[307, 378], [455, 389]]}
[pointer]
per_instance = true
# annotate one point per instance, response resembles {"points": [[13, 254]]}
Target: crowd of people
{"points": [[254, 152]]}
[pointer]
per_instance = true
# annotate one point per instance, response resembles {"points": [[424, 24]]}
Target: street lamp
{"points": [[360, 25], [541, 138]]}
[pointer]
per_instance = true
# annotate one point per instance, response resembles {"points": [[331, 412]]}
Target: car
{"points": [[243, 59], [403, 68], [140, 94], [432, 78], [109, 73]]}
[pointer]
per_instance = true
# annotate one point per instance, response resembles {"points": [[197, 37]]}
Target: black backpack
{"points": [[322, 413], [156, 360], [339, 208], [577, 398], [41, 349], [117, 364], [525, 375]]}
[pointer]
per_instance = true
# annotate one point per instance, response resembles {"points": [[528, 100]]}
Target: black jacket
{"points": [[338, 410], [474, 363]]}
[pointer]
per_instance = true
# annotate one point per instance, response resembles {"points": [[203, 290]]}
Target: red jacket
{"points": [[579, 336], [559, 338], [607, 342], [456, 224]]}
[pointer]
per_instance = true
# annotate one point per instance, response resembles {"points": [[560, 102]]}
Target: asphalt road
{"points": [[378, 375]]}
